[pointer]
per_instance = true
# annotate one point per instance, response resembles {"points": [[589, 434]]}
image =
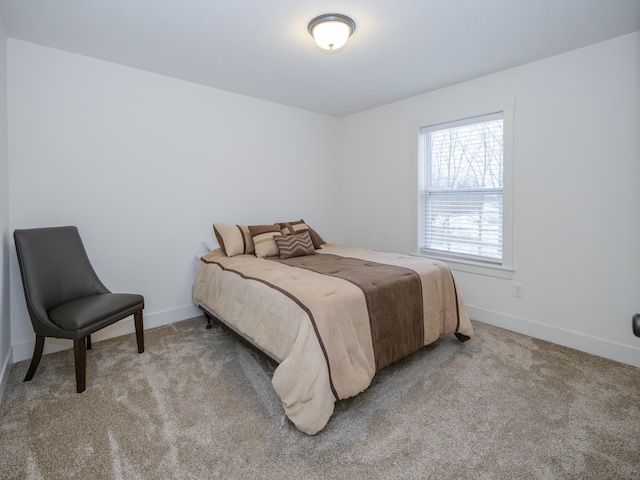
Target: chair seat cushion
{"points": [[89, 314]]}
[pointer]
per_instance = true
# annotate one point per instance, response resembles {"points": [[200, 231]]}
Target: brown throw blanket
{"points": [[394, 301]]}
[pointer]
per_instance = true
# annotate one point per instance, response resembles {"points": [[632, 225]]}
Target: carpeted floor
{"points": [[198, 404]]}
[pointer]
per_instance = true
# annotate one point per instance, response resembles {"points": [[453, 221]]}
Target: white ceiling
{"points": [[262, 48]]}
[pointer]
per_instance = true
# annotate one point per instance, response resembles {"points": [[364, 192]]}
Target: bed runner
{"points": [[394, 301]]}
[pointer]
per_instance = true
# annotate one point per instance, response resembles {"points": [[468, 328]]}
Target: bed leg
{"points": [[209, 325], [463, 338]]}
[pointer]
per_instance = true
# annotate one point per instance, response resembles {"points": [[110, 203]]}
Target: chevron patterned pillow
{"points": [[296, 245], [298, 226]]}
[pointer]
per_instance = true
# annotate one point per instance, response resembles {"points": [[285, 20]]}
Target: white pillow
{"points": [[210, 244]]}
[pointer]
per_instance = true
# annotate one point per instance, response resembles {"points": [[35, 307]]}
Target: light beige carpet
{"points": [[198, 404]]}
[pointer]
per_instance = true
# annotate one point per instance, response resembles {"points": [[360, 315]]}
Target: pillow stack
{"points": [[286, 239]]}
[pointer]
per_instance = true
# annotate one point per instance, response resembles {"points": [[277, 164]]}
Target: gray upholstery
{"points": [[64, 296]]}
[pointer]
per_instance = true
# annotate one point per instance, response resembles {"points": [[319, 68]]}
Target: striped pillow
{"points": [[262, 236], [233, 239], [296, 245]]}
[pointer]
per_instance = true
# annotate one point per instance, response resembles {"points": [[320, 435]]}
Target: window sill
{"points": [[477, 268]]}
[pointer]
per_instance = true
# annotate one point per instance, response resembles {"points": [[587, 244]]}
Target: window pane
{"points": [[467, 223], [467, 157], [461, 201]]}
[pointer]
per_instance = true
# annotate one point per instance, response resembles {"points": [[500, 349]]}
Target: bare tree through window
{"points": [[461, 187]]}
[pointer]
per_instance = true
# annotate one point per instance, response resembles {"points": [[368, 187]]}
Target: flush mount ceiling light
{"points": [[331, 30]]}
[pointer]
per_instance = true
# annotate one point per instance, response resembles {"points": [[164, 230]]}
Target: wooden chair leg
{"points": [[35, 360], [80, 354], [88, 342], [139, 331]]}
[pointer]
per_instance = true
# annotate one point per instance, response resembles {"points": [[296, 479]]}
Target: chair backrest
{"points": [[55, 269]]}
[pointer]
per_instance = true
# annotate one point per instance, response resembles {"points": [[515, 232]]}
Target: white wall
{"points": [[144, 164], [577, 193], [5, 322]]}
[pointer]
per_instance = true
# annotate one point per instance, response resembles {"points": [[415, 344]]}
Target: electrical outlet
{"points": [[518, 290]]}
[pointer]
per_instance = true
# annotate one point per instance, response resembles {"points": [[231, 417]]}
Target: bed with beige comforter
{"points": [[331, 320]]}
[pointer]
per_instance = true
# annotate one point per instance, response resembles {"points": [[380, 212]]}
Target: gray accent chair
{"points": [[65, 298]]}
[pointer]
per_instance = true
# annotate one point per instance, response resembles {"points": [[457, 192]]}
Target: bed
{"points": [[330, 315]]}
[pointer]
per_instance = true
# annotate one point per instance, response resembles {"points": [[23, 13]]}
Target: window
{"points": [[462, 190]]}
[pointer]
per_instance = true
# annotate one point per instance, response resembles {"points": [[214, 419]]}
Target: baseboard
{"points": [[567, 338], [4, 373], [24, 350]]}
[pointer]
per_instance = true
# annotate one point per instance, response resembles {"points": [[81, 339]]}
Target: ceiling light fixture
{"points": [[331, 30]]}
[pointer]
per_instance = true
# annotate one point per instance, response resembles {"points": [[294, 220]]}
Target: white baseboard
{"points": [[24, 350], [4, 373], [567, 338]]}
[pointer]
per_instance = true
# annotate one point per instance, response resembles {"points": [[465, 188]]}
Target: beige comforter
{"points": [[317, 326]]}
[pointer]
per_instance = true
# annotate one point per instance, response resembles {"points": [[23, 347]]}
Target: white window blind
{"points": [[461, 188]]}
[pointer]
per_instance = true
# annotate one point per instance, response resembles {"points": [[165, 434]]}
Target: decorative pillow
{"points": [[233, 239], [296, 245], [264, 244], [289, 228]]}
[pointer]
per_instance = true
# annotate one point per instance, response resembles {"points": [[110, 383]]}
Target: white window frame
{"points": [[501, 268]]}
